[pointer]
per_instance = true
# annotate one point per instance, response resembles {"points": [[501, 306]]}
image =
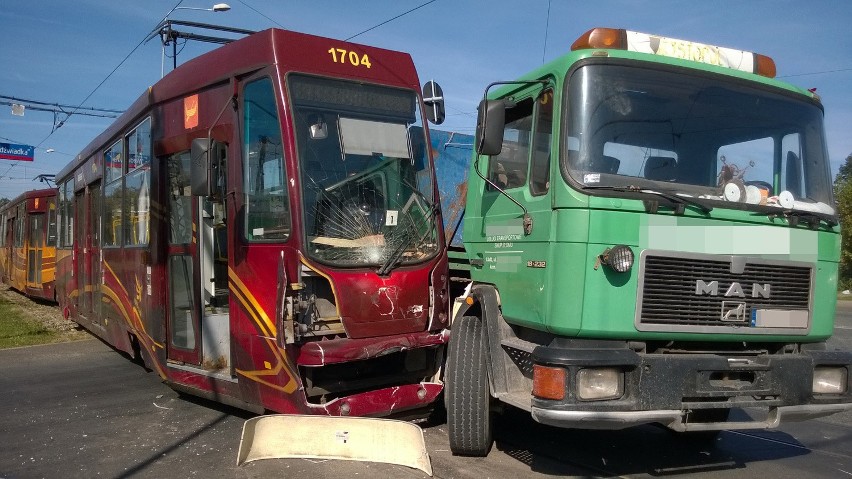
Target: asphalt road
{"points": [[82, 410]]}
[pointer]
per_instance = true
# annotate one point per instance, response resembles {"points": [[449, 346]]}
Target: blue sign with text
{"points": [[10, 151]]}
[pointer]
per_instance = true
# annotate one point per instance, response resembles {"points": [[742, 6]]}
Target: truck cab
{"points": [[651, 238]]}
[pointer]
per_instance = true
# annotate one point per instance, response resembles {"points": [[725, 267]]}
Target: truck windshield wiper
{"points": [[812, 217], [681, 200]]}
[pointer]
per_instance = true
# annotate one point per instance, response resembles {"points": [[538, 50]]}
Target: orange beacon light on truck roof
{"points": [[620, 39]]}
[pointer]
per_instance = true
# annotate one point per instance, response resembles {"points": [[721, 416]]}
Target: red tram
{"points": [[28, 243], [262, 227]]}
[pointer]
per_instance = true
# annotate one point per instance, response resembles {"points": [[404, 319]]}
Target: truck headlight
{"points": [[595, 384], [829, 380], [619, 258]]}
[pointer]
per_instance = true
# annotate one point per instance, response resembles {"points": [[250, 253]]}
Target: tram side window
{"points": [[267, 206], [3, 229], [19, 227], [180, 199], [127, 194], [137, 185], [113, 167], [66, 214], [51, 225]]}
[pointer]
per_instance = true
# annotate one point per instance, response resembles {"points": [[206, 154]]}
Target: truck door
{"points": [[523, 170]]}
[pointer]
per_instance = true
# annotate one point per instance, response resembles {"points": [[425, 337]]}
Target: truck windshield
{"points": [[366, 179], [716, 141]]}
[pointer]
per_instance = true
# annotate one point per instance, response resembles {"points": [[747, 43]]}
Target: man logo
{"points": [[734, 312], [758, 290]]}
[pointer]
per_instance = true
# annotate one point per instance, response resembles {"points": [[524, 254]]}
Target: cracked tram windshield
{"points": [[721, 143], [367, 184]]}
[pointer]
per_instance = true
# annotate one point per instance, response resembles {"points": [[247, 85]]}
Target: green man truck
{"points": [[649, 236]]}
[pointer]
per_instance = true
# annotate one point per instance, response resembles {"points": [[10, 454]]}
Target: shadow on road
{"points": [[651, 450], [224, 413], [157, 455]]}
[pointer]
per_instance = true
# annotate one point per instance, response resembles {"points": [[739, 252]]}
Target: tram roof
{"points": [[291, 51]]}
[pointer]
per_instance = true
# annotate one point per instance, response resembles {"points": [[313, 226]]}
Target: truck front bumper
{"points": [[676, 419], [669, 388]]}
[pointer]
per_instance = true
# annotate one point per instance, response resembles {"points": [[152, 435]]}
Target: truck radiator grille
{"points": [[669, 290]]}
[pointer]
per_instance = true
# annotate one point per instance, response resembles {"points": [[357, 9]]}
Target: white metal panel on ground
{"points": [[283, 436]]}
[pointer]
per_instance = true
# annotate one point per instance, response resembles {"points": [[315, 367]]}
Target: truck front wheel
{"points": [[469, 419]]}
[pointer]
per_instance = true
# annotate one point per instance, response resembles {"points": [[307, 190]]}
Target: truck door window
{"points": [[509, 168], [540, 170]]}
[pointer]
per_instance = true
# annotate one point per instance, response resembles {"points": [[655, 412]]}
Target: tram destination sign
{"points": [[10, 151]]}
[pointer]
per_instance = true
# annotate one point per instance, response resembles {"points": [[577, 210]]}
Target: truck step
{"points": [[521, 400], [519, 344]]}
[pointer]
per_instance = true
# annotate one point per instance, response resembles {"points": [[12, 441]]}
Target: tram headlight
{"points": [[829, 380]]}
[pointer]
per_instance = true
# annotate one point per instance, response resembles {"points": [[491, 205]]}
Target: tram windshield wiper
{"points": [[395, 256], [674, 198]]}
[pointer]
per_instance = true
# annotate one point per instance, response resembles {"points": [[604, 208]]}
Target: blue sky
{"points": [[58, 51]]}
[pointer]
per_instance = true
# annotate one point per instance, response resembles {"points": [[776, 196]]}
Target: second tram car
{"points": [[28, 243]]}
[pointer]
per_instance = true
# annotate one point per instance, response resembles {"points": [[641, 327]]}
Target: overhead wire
{"points": [[353, 36], [390, 20], [260, 13], [546, 28], [59, 106], [80, 105], [815, 73]]}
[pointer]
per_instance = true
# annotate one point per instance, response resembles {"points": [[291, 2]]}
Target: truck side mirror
{"points": [[433, 98], [200, 171], [490, 121]]}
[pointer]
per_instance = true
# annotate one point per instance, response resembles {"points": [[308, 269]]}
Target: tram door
{"points": [[96, 277], [35, 250], [199, 323], [88, 251], [81, 212], [17, 258], [8, 249], [183, 318]]}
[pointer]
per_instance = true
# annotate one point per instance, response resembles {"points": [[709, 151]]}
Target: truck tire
{"points": [[469, 420]]}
